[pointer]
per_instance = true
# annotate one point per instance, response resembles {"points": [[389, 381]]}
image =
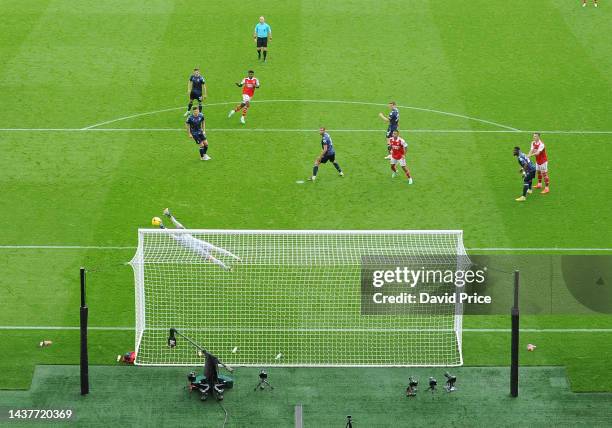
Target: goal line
{"points": [[465, 330]]}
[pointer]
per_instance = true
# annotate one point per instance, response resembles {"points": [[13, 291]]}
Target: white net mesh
{"points": [[293, 298]]}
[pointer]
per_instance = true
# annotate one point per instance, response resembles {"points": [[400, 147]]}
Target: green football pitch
{"points": [[92, 95]]}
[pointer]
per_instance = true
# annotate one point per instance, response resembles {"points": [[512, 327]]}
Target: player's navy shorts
{"points": [[326, 158], [195, 95], [262, 42], [198, 137], [529, 176], [390, 131]]}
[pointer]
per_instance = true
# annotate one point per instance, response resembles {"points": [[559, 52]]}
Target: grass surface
{"points": [[521, 64], [580, 352], [373, 397]]}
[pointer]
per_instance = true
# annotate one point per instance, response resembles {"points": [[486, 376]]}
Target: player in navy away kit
{"points": [[528, 169], [393, 121], [196, 127], [195, 85], [327, 154]]}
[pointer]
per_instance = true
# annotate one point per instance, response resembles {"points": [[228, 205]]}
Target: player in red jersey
{"points": [[539, 151], [398, 147], [248, 85]]}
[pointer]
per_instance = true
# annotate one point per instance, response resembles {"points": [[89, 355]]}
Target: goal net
{"points": [[292, 298]]}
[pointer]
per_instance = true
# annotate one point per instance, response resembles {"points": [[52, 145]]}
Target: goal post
{"points": [[288, 298]]}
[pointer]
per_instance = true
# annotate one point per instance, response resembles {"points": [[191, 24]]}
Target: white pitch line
{"points": [[573, 132], [413, 131], [101, 247], [64, 247], [445, 113], [129, 117], [539, 249], [539, 330], [26, 327], [363, 330]]}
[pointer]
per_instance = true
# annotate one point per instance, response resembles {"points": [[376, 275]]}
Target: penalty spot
{"points": [[299, 182]]}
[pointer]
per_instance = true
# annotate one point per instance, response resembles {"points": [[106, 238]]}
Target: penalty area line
{"points": [[298, 130]]}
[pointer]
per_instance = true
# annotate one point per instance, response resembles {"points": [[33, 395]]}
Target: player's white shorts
{"points": [[246, 98], [542, 167], [402, 161]]}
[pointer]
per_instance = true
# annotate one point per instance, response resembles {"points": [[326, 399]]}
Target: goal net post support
{"points": [[288, 298], [514, 342]]}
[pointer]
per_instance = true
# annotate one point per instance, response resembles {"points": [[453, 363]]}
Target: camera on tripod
{"points": [[411, 390], [450, 382], [449, 386], [263, 380], [210, 381], [432, 383]]}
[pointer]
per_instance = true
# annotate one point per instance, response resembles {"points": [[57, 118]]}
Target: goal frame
{"points": [[140, 289]]}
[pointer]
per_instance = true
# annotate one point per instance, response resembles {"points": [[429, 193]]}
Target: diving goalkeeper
{"points": [[198, 246]]}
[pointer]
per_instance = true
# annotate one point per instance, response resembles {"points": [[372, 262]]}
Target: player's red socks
{"points": [[546, 179], [539, 176], [407, 171], [244, 110]]}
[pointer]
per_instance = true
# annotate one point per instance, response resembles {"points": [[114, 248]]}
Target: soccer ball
{"points": [[156, 221]]}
